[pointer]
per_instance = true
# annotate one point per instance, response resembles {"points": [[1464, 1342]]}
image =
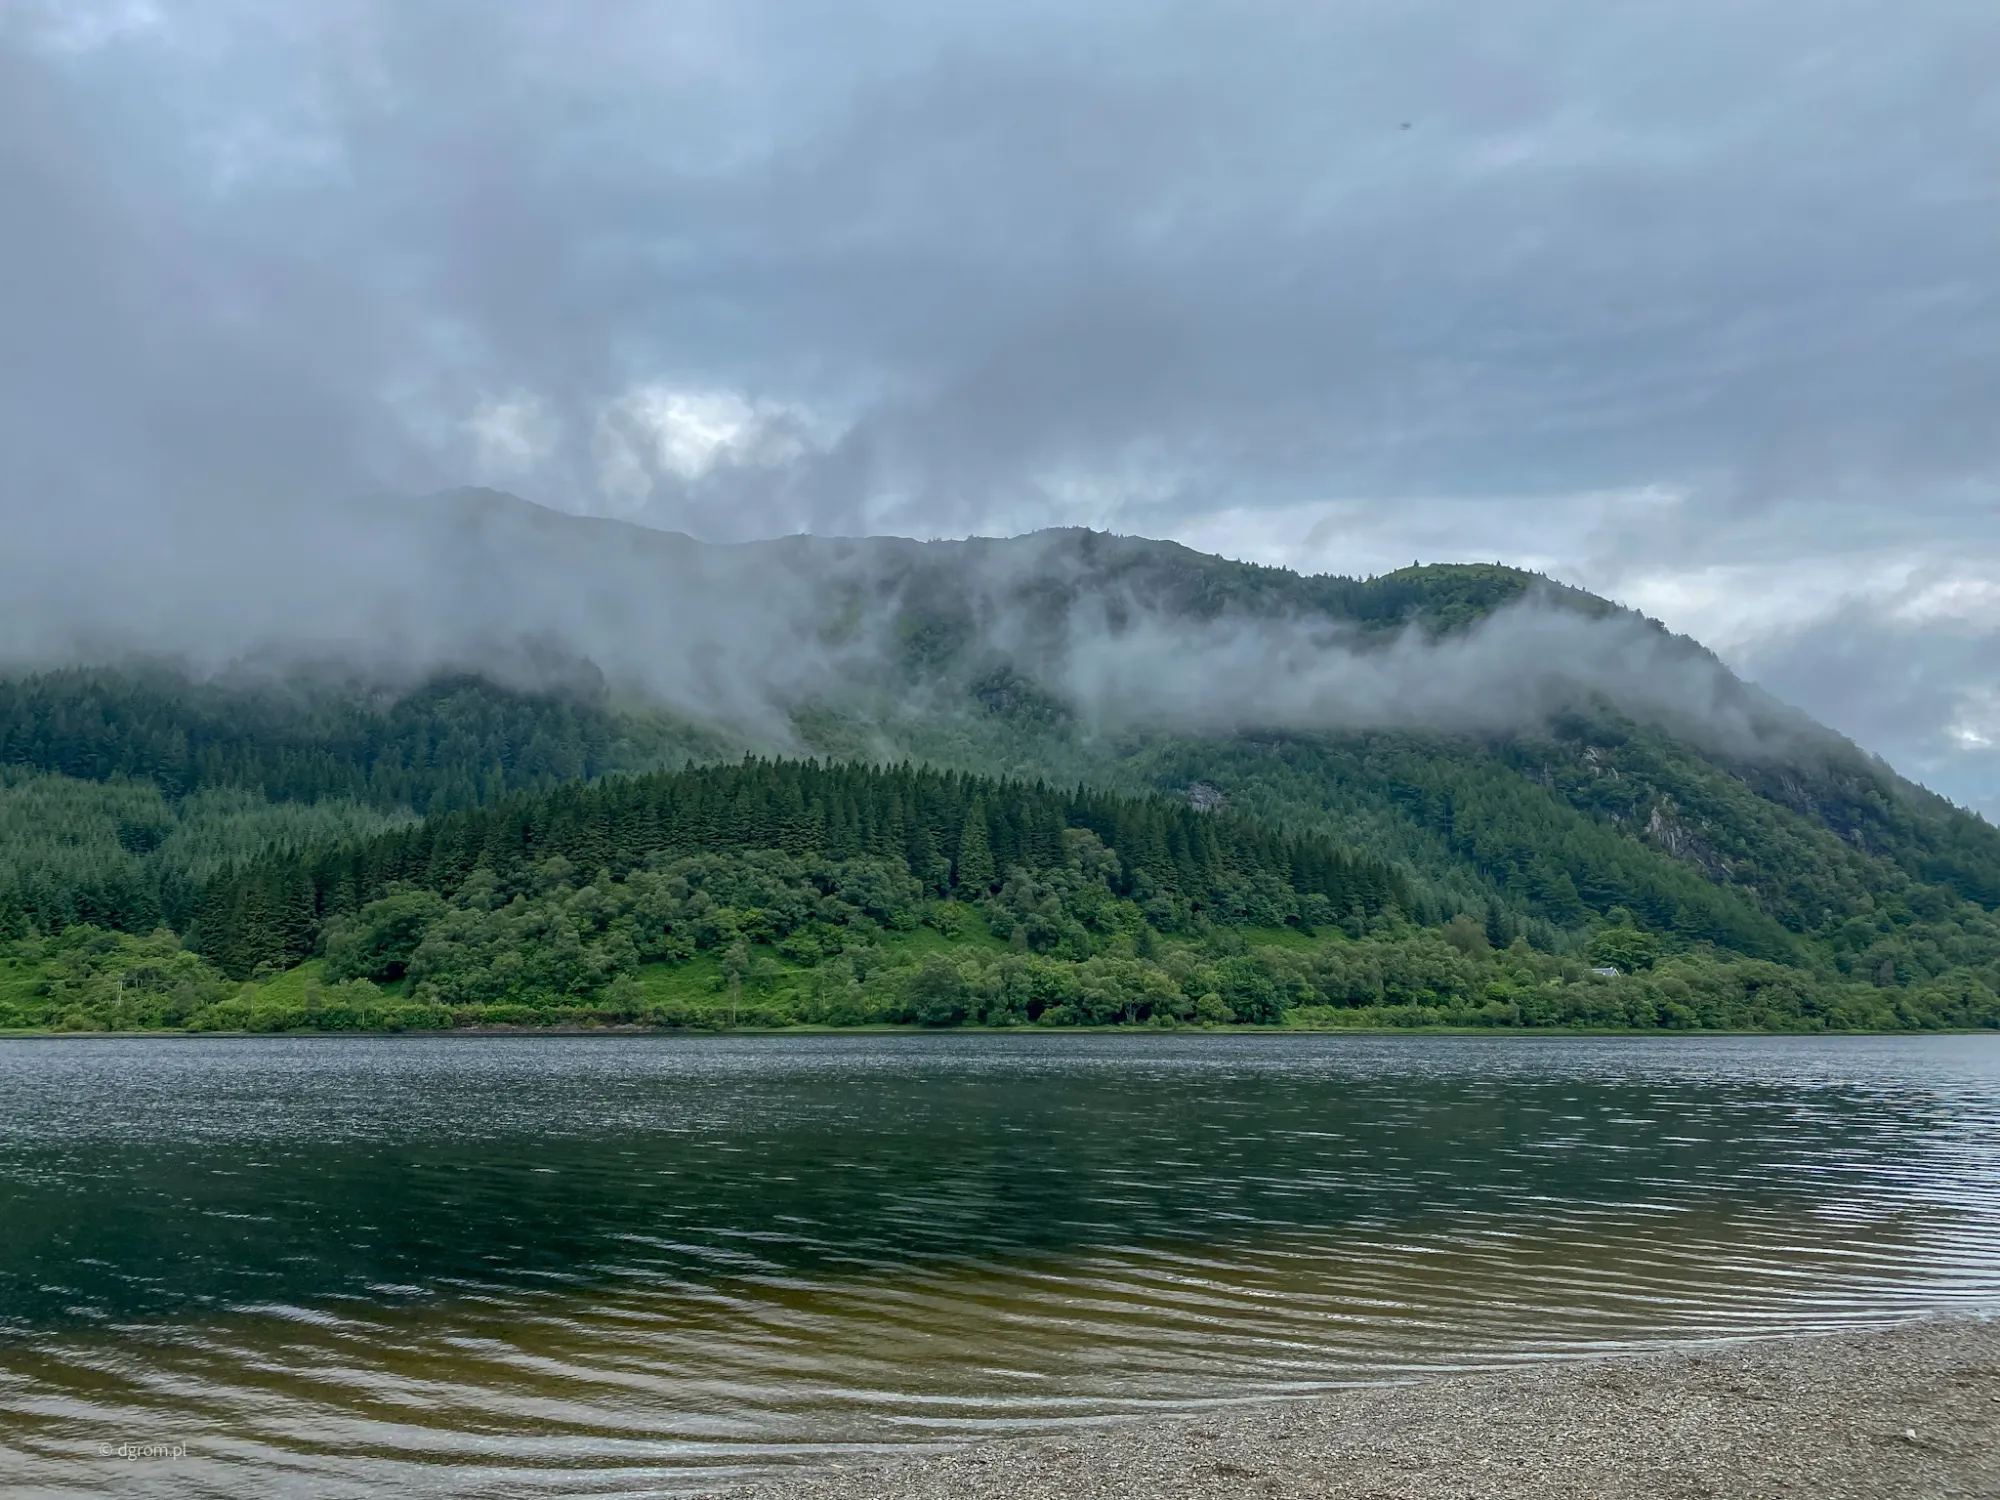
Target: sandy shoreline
{"points": [[1910, 1413]]}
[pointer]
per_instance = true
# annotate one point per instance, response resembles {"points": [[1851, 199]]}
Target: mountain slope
{"points": [[1536, 761]]}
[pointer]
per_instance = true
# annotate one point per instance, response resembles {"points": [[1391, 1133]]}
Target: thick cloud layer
{"points": [[1117, 633], [1513, 671], [1692, 303]]}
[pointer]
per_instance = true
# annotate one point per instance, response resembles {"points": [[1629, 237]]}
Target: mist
{"points": [[1691, 305], [1512, 672], [390, 592]]}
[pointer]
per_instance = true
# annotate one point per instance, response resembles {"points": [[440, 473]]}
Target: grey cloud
{"points": [[988, 267], [394, 590], [1510, 673], [1706, 245], [1925, 695], [746, 634], [149, 358]]}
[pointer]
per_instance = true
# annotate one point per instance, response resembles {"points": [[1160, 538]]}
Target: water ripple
{"points": [[599, 1267]]}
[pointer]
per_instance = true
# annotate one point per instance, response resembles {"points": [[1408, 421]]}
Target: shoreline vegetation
{"points": [[413, 961], [1857, 1415], [772, 894], [1259, 981], [627, 1030]]}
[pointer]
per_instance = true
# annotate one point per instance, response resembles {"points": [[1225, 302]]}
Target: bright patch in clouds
{"points": [[690, 430], [657, 436], [1691, 305], [1971, 600], [511, 435]]}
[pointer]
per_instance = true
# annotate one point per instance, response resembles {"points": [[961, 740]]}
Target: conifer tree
{"points": [[975, 873]]}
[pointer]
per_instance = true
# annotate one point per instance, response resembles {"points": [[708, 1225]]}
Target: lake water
{"points": [[636, 1265]]}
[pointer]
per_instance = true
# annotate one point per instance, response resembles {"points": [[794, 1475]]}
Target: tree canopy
{"points": [[955, 834]]}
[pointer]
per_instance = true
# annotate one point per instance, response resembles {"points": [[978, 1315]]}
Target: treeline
{"points": [[1438, 597], [454, 742], [762, 939], [955, 834], [117, 854], [1823, 864]]}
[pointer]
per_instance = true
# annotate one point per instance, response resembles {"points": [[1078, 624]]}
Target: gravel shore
{"points": [[1912, 1413]]}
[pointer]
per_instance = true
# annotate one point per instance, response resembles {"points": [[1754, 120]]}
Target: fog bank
{"points": [[1121, 632]]}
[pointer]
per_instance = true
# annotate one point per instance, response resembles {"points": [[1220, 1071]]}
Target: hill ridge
{"points": [[1530, 758]]}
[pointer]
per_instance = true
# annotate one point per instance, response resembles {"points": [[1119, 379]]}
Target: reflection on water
{"points": [[591, 1266]]}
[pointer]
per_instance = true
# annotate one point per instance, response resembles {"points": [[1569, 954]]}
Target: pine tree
{"points": [[974, 871], [921, 815]]}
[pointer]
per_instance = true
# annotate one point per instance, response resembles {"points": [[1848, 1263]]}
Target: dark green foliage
{"points": [[1551, 836], [764, 938], [1450, 806], [1418, 982], [117, 854], [452, 743], [1180, 865], [1008, 694], [548, 940], [1442, 598], [937, 994], [376, 943], [974, 871], [1872, 810], [936, 624], [1775, 879], [1625, 948]]}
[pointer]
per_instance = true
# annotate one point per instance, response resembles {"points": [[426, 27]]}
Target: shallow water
{"points": [[542, 1265]]}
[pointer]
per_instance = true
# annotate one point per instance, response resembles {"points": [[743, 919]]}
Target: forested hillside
{"points": [[120, 854], [777, 894], [1464, 750], [945, 835], [447, 742]]}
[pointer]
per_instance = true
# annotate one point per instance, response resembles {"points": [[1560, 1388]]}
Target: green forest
{"points": [[310, 853]]}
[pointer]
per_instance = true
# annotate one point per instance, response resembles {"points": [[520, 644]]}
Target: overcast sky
{"points": [[1696, 304]]}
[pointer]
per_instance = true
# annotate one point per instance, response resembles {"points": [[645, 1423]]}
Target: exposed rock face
{"points": [[1667, 829], [1204, 796]]}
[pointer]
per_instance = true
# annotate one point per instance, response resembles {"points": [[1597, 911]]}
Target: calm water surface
{"points": [[525, 1266]]}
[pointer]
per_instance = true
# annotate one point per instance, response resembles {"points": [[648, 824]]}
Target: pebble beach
{"points": [[1911, 1413]]}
